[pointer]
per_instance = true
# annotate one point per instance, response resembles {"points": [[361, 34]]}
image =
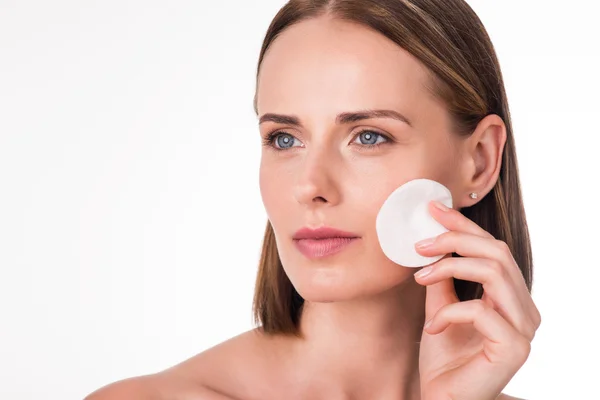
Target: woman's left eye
{"points": [[370, 138]]}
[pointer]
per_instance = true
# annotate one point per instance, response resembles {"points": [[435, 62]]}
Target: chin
{"points": [[328, 288], [319, 295], [345, 278]]}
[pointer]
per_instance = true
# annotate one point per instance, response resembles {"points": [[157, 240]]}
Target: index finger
{"points": [[454, 220]]}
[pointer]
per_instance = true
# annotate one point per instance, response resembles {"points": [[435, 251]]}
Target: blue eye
{"points": [[282, 140], [369, 138]]}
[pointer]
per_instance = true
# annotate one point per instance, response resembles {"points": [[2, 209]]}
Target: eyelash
{"points": [[270, 138]]}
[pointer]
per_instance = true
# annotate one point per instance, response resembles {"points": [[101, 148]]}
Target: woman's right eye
{"points": [[280, 140]]}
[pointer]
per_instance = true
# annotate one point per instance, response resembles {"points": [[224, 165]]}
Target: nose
{"points": [[316, 183]]}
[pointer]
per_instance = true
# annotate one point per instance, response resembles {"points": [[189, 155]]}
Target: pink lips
{"points": [[322, 242]]}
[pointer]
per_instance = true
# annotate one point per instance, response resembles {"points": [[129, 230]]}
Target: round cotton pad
{"points": [[404, 219]]}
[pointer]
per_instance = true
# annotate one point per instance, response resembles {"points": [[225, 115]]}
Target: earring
{"points": [[473, 195]]}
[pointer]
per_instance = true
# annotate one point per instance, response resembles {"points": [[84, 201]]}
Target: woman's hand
{"points": [[470, 350]]}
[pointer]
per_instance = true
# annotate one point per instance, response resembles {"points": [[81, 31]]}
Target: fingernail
{"points": [[423, 272], [427, 324], [425, 243], [440, 205]]}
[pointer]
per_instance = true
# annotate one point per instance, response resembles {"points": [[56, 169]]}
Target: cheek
{"points": [[265, 182], [377, 181], [275, 188], [443, 154]]}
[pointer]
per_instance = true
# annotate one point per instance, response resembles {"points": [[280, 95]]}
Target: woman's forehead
{"points": [[322, 63]]}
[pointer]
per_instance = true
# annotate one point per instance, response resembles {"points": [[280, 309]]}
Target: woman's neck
{"points": [[364, 348]]}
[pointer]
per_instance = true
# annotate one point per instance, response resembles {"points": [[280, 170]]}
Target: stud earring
{"points": [[473, 195]]}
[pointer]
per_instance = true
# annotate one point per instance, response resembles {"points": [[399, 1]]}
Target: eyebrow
{"points": [[343, 118]]}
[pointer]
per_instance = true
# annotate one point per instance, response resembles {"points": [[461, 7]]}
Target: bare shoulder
{"points": [[239, 366], [160, 386], [132, 388], [232, 370], [507, 397]]}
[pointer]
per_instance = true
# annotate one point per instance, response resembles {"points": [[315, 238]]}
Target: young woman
{"points": [[355, 98]]}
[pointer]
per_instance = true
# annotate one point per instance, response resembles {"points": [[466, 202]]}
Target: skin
{"points": [[364, 315]]}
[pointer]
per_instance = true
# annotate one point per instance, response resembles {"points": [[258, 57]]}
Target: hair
{"points": [[450, 40]]}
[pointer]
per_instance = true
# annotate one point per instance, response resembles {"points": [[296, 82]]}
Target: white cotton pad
{"points": [[404, 219]]}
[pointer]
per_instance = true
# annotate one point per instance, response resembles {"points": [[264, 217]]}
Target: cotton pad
{"points": [[404, 219]]}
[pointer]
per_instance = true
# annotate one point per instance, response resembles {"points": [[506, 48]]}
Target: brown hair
{"points": [[450, 40]]}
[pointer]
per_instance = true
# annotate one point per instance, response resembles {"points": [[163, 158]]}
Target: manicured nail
{"points": [[440, 206], [424, 272], [425, 243]]}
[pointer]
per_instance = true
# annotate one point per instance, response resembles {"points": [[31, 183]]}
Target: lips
{"points": [[323, 242], [324, 232], [319, 248]]}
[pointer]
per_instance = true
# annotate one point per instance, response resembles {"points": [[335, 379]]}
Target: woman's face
{"points": [[322, 172]]}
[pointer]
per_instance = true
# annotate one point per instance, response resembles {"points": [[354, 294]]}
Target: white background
{"points": [[130, 214]]}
